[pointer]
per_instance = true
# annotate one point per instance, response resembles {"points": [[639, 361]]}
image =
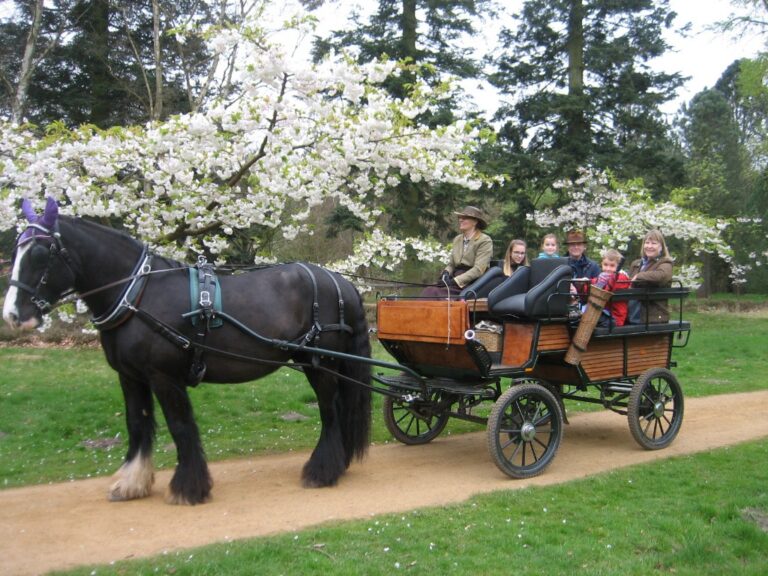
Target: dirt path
{"points": [[65, 525]]}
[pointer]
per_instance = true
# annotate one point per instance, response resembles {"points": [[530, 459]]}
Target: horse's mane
{"points": [[90, 225]]}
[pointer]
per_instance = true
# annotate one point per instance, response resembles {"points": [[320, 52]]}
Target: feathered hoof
{"points": [[180, 500], [319, 477], [133, 480]]}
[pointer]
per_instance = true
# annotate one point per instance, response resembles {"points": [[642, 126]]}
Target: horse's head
{"points": [[40, 272]]}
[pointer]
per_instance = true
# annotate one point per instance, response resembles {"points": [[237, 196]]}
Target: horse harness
{"points": [[205, 293], [204, 290]]}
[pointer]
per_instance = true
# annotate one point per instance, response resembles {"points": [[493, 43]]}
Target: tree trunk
{"points": [[157, 109], [577, 132], [408, 23], [19, 104], [407, 192], [96, 27]]}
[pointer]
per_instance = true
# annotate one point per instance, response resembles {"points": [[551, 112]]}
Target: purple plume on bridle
{"points": [[39, 226]]}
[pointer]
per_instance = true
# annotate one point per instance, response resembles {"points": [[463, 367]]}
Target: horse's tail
{"points": [[355, 393]]}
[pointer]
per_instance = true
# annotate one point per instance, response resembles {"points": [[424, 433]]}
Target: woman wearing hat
{"points": [[470, 255]]}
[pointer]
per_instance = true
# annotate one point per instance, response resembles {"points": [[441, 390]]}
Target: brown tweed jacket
{"points": [[474, 259]]}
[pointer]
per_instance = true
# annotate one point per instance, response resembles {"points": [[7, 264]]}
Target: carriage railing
{"points": [[674, 294]]}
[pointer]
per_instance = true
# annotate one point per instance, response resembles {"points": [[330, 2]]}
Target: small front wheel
{"points": [[655, 409], [415, 422], [524, 430]]}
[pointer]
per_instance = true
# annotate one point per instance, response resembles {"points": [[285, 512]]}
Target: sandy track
{"points": [[65, 525]]}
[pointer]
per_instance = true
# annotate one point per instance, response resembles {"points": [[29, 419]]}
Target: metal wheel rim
{"points": [[408, 425], [656, 409], [524, 430]]}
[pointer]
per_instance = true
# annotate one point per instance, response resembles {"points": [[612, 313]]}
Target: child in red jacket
{"points": [[612, 278]]}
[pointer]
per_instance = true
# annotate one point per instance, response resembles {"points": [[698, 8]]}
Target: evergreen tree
{"points": [[105, 62], [717, 160], [580, 89]]}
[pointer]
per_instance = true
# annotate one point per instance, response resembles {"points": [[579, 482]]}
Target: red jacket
{"points": [[618, 310]]}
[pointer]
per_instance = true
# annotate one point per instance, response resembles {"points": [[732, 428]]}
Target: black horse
{"points": [[140, 302]]}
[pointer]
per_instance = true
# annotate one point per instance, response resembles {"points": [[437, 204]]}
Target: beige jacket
{"points": [[476, 257]]}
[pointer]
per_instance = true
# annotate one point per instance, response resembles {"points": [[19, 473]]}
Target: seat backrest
{"points": [[549, 297], [542, 267], [514, 285], [541, 293], [481, 287]]}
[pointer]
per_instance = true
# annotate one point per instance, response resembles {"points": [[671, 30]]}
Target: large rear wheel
{"points": [[655, 409], [524, 430], [417, 421]]}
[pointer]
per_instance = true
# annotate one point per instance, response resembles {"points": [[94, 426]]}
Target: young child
{"points": [[550, 247], [612, 278]]}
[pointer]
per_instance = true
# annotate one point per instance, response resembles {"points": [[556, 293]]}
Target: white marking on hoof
{"points": [[176, 499], [134, 480]]}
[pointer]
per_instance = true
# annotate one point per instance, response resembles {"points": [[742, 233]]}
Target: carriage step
{"points": [[407, 382], [400, 381], [463, 388]]}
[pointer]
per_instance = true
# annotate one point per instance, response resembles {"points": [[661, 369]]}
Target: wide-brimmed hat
{"points": [[476, 213], [575, 237]]}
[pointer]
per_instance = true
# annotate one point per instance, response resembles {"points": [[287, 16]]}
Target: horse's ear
{"points": [[51, 213], [28, 211]]}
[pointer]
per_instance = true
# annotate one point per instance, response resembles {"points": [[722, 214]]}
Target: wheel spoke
{"points": [[543, 418], [540, 443], [518, 445]]}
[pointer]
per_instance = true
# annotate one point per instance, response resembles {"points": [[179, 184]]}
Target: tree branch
{"points": [[262, 148], [136, 54]]}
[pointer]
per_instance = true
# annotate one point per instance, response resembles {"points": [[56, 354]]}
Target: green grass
{"points": [[726, 353], [693, 515], [61, 410]]}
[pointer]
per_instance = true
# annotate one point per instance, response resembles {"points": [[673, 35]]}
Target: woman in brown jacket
{"points": [[652, 269]]}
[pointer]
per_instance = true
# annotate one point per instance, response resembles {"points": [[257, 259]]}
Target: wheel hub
{"points": [[528, 431], [658, 409]]}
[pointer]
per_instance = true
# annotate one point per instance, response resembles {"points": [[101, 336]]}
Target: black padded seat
{"points": [[481, 287], [539, 292], [628, 329]]}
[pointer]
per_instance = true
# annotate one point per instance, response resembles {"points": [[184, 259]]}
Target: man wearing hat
{"points": [[470, 255], [583, 267]]}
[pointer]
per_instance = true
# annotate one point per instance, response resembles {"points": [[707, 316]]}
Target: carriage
{"points": [[457, 353], [165, 326]]}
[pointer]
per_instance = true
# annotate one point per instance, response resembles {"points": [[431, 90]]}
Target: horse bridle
{"points": [[135, 283], [56, 249]]}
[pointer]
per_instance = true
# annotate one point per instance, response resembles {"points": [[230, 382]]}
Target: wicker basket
{"points": [[491, 340], [598, 298]]}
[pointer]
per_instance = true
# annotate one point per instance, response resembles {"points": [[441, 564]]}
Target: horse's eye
{"points": [[38, 256]]}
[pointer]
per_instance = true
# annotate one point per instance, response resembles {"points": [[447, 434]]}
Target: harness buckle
{"points": [[42, 304], [205, 299]]}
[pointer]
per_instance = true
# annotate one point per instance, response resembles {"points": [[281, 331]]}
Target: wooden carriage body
{"points": [[430, 336], [453, 355]]}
